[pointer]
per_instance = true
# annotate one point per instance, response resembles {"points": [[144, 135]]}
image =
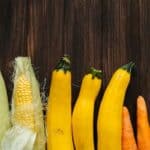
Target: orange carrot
{"points": [[128, 140], [143, 130]]}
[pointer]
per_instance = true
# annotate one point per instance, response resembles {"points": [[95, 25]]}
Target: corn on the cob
{"points": [[27, 113], [24, 66], [24, 113], [4, 109]]}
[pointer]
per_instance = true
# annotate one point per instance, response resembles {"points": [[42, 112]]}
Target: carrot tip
{"points": [[140, 97], [125, 110], [140, 101]]}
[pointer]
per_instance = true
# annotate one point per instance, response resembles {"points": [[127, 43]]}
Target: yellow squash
{"points": [[83, 114], [109, 124], [59, 134]]}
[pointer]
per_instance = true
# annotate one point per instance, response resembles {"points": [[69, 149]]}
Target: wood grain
{"points": [[101, 33]]}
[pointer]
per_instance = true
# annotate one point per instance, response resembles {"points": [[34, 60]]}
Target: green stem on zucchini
{"points": [[64, 64], [95, 73], [128, 67]]}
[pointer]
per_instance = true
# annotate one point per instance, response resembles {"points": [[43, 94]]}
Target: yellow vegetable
{"points": [[109, 124], [24, 113], [83, 114], [27, 132], [59, 134], [25, 73]]}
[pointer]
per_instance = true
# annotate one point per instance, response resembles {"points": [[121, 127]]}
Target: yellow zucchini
{"points": [[59, 134], [109, 123], [83, 114]]}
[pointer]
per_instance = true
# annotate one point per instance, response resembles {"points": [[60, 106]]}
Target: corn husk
{"points": [[34, 139], [4, 109], [18, 138]]}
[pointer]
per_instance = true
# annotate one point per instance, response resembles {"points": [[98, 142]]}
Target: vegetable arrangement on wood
{"points": [[23, 127]]}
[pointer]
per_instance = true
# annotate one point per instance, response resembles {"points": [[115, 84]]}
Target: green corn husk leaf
{"points": [[23, 66], [4, 109]]}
